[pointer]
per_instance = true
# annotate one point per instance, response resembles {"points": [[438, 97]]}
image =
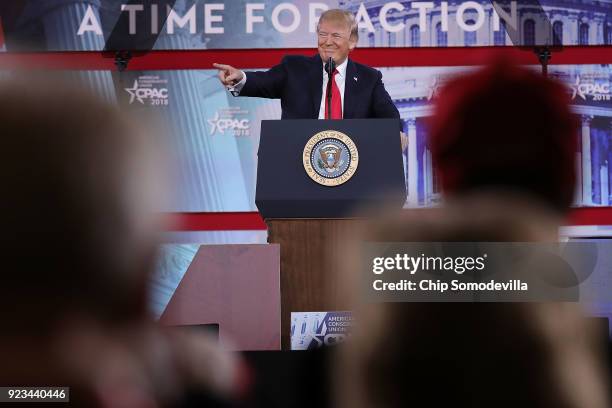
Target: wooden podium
{"points": [[309, 278], [309, 220]]}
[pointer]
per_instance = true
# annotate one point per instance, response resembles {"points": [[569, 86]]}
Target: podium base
{"points": [[309, 258]]}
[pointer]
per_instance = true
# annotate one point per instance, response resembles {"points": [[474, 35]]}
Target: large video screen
{"points": [[49, 25]]}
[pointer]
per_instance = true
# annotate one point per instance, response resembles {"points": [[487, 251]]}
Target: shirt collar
{"points": [[341, 68]]}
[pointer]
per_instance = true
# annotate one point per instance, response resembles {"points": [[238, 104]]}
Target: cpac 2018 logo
{"points": [[219, 124], [145, 91], [597, 91]]}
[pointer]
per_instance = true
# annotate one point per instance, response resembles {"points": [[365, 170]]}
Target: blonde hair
{"points": [[341, 15]]}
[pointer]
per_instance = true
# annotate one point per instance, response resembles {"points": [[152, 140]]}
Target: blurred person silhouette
{"points": [[78, 217], [503, 141], [505, 129]]}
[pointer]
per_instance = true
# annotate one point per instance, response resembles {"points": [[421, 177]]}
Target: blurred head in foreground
{"points": [[504, 142], [78, 209], [468, 355], [505, 128], [78, 225], [505, 355]]}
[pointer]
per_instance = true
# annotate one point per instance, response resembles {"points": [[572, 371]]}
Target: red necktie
{"points": [[336, 102]]}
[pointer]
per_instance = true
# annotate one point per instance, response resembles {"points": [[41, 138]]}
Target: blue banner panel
{"points": [[78, 25]]}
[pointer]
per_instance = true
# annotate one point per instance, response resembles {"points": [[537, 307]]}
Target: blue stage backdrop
{"points": [[78, 25], [216, 135]]}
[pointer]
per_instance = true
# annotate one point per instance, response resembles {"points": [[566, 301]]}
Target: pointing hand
{"points": [[228, 75]]}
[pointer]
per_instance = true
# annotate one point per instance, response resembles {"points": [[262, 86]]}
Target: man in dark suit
{"points": [[301, 82], [298, 82]]}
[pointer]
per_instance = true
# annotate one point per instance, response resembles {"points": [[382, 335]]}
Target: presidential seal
{"points": [[330, 158]]}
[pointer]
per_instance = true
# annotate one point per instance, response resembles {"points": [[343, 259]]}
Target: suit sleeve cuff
{"points": [[235, 90]]}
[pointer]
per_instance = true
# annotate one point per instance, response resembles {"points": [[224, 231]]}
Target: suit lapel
{"points": [[316, 85], [350, 89]]}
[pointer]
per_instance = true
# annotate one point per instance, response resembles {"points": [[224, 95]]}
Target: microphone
{"points": [[330, 67]]}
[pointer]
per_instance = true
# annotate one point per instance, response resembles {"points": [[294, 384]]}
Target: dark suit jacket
{"points": [[298, 82]]}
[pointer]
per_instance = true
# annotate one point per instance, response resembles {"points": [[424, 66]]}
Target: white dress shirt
{"points": [[340, 81]]}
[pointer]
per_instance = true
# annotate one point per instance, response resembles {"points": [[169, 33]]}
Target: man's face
{"points": [[334, 41]]}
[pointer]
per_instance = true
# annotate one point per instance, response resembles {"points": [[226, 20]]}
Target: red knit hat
{"points": [[505, 126]]}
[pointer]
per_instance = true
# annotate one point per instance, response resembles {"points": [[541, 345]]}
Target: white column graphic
{"points": [[413, 192], [587, 198], [425, 170], [578, 190], [604, 185], [429, 179], [608, 176]]}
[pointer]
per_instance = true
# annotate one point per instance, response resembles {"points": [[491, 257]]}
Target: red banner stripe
{"points": [[215, 221], [590, 216], [265, 58], [234, 221]]}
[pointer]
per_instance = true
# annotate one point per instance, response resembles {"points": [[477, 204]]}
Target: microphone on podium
{"points": [[330, 67]]}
